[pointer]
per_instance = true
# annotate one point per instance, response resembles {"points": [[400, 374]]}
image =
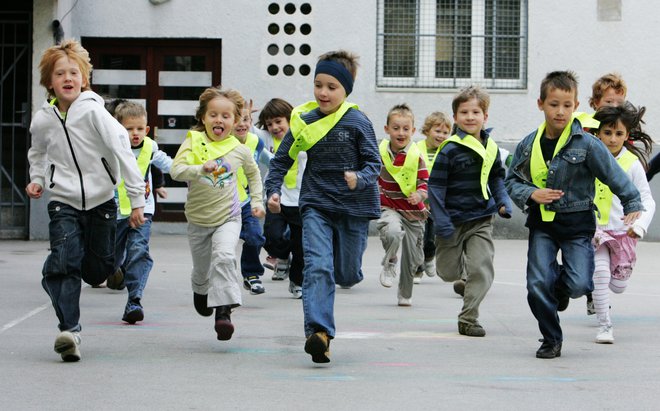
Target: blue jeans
{"points": [[82, 246], [132, 255], [547, 279], [333, 245], [278, 236], [253, 240]]}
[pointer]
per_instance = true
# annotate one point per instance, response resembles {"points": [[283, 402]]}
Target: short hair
{"points": [[402, 110], [276, 107], [129, 109], [609, 80], [70, 49], [215, 92], [562, 80], [467, 94], [437, 117], [345, 58]]}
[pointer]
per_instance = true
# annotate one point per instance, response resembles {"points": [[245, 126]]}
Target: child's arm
{"points": [[654, 167], [520, 188], [161, 159], [37, 160], [496, 184], [638, 177], [251, 171], [369, 167], [279, 165], [442, 224], [181, 170], [421, 192], [263, 156]]}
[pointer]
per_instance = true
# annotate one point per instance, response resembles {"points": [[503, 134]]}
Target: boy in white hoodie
{"points": [[78, 152]]}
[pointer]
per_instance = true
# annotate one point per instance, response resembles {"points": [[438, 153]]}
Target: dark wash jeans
{"points": [[82, 246]]}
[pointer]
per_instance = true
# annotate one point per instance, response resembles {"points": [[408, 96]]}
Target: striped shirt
{"points": [[390, 191], [349, 146]]}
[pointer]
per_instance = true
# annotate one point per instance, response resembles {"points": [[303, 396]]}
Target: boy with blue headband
{"points": [[338, 196]]}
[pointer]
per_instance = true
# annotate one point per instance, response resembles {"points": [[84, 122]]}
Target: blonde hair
{"points": [[435, 118], [609, 80], [401, 110], [215, 92], [70, 49], [129, 109]]}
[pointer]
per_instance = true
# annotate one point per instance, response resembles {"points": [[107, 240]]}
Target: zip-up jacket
{"points": [[80, 157]]}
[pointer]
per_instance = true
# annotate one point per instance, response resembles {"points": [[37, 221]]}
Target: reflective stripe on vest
{"points": [[488, 155], [251, 141], [539, 169], [603, 197], [405, 175], [203, 150], [143, 160], [425, 154]]}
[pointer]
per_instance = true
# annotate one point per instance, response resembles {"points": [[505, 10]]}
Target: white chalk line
{"points": [[19, 320]]}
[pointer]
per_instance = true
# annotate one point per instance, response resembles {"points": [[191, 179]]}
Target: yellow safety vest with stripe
{"points": [[603, 197], [143, 160], [291, 175], [251, 141], [203, 150], [425, 154], [488, 155], [405, 175], [538, 167]]}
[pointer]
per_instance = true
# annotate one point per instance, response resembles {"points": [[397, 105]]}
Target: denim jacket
{"points": [[573, 170]]}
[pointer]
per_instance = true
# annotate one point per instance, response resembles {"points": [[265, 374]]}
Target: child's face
{"points": [[611, 98], [219, 118], [470, 117], [558, 107], [613, 136], [137, 128], [400, 129], [328, 92], [437, 134], [277, 127], [67, 82], [243, 125]]}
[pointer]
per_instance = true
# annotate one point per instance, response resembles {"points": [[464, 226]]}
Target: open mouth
{"points": [[218, 130]]}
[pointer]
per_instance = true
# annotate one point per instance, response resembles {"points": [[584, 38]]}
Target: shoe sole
{"points": [[279, 277], [317, 348], [66, 346], [224, 329], [548, 357], [133, 316]]}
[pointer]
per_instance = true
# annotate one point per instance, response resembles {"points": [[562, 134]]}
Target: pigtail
{"points": [[637, 134]]}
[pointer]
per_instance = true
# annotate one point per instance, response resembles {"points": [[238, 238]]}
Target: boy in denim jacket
{"points": [[551, 178]]}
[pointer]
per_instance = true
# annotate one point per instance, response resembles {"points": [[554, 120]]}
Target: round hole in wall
{"points": [[305, 49], [289, 28], [305, 8], [273, 28], [273, 49], [289, 49], [304, 70], [305, 29], [273, 70], [273, 8], [290, 8], [288, 70]]}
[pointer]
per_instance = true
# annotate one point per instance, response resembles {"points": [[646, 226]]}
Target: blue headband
{"points": [[336, 70]]}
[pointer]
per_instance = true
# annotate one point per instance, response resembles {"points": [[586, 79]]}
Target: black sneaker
{"points": [[116, 280], [200, 302], [223, 326], [318, 346], [253, 285], [133, 312], [549, 350]]}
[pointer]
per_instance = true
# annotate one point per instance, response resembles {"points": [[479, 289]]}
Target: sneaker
{"points": [[270, 263], [318, 346], [429, 268], [295, 290], [66, 344], [417, 278], [116, 280], [548, 350], [404, 302], [471, 330], [133, 312], [201, 305], [281, 271], [223, 326], [605, 335], [562, 302], [459, 287], [388, 274], [253, 284], [591, 309]]}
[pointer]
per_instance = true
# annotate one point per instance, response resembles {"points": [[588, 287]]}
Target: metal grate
{"points": [[452, 43]]}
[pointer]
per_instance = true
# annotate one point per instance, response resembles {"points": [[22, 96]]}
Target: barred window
{"points": [[452, 43]]}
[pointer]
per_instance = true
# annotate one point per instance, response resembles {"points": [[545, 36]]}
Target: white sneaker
{"points": [[66, 344], [388, 274], [403, 302], [417, 278], [295, 290], [281, 271], [429, 268], [605, 335]]}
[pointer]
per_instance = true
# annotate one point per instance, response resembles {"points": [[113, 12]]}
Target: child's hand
{"points": [[274, 204], [210, 166], [34, 190], [546, 195], [351, 179], [414, 198], [502, 212], [137, 217], [628, 219], [258, 212], [631, 233], [161, 192]]}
